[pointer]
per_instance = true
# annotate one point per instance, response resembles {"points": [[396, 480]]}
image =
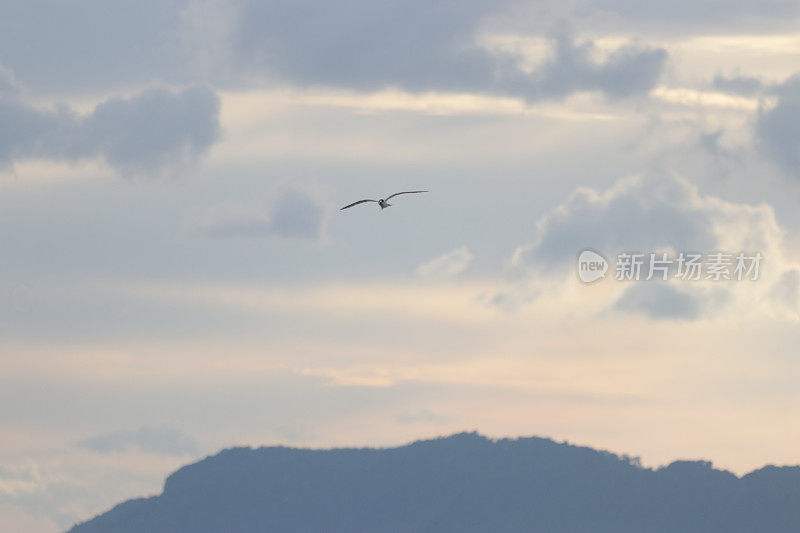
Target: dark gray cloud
{"points": [[777, 132], [412, 43], [710, 141], [295, 215], [659, 301], [421, 46], [135, 135], [737, 84], [161, 441], [363, 45], [155, 128], [630, 69]]}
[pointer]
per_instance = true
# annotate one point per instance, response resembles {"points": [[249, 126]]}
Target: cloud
{"points": [[414, 45], [447, 265], [693, 12], [137, 135], [423, 416], [711, 142], [630, 69], [786, 290], [646, 213], [659, 301], [510, 301], [16, 519], [159, 441], [777, 133], [155, 128], [419, 46], [739, 85], [8, 83], [19, 480], [656, 214], [295, 215]]}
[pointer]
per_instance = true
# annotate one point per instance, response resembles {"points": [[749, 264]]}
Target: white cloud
{"points": [[8, 83], [447, 265], [648, 213], [658, 213]]}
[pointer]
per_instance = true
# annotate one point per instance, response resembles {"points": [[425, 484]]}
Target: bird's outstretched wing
{"points": [[356, 203], [406, 192]]}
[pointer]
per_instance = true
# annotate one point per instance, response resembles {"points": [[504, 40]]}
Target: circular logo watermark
{"points": [[591, 266]]}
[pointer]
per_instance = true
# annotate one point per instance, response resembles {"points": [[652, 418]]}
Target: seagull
{"points": [[383, 202]]}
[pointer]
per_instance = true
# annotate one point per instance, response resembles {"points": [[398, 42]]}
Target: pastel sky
{"points": [[176, 276]]}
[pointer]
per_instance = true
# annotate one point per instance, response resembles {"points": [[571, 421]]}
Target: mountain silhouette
{"points": [[463, 483]]}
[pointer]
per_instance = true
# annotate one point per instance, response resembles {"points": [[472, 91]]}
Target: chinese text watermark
{"points": [[684, 266]]}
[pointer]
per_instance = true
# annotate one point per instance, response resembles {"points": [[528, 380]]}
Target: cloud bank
{"points": [[777, 133], [646, 213], [419, 46], [160, 441], [657, 213], [411, 44], [142, 134], [629, 70]]}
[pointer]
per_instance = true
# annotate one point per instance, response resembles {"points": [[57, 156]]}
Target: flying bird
{"points": [[383, 202]]}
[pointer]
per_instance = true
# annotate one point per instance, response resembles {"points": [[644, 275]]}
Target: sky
{"points": [[176, 276]]}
